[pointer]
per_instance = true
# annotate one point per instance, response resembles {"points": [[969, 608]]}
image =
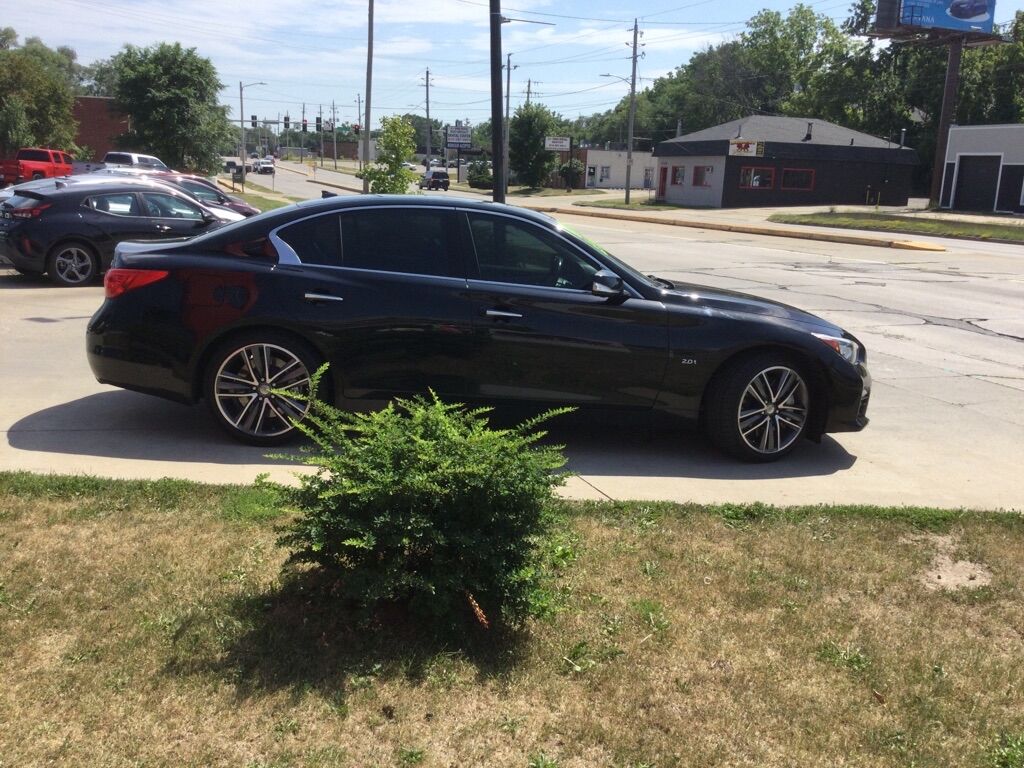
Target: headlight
{"points": [[846, 349]]}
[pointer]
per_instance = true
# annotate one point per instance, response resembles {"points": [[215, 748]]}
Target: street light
{"points": [[241, 124], [632, 117]]}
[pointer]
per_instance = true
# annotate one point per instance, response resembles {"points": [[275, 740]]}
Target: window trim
{"points": [[782, 180], [757, 168]]}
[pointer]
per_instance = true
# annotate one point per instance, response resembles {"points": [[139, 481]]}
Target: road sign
{"points": [[557, 143], [458, 137]]}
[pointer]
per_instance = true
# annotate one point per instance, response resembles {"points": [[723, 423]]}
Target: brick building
{"points": [[98, 124]]}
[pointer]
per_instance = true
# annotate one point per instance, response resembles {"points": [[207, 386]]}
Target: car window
{"points": [[34, 155], [169, 207], [509, 251], [409, 240], [117, 157], [201, 191], [316, 240], [123, 204]]}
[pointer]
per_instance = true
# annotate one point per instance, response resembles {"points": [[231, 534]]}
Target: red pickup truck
{"points": [[35, 163]]}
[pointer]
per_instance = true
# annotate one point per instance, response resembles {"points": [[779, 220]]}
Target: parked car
{"points": [[134, 160], [409, 166], [435, 180], [480, 303], [68, 228], [35, 163], [199, 187]]}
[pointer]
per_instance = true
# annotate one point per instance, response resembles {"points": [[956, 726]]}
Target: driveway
{"points": [[944, 331]]}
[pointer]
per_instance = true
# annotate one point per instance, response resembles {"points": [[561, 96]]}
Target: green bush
{"points": [[479, 175], [423, 503]]}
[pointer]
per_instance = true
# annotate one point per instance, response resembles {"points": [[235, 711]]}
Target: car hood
{"points": [[735, 303]]}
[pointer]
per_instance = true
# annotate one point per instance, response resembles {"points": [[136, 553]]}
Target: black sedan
{"points": [[481, 303], [68, 227]]}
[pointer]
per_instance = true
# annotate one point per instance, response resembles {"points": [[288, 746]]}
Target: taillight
{"points": [[30, 213], [118, 281]]}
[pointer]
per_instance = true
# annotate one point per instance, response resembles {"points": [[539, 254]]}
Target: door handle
{"points": [[502, 315], [313, 298], [162, 228]]}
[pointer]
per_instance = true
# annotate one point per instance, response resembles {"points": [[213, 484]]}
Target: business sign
{"points": [[961, 15], [746, 148], [557, 143], [458, 137]]}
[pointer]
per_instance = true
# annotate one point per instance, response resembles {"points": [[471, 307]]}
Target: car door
{"points": [[543, 336], [385, 289], [172, 216], [118, 216]]}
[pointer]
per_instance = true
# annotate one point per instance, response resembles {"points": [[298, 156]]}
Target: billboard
{"points": [[959, 15], [557, 143], [458, 137]]}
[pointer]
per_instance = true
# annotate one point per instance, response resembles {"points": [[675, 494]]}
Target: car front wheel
{"points": [[257, 386], [758, 408]]}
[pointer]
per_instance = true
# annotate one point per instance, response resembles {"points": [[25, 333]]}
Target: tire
{"points": [[36, 176], [236, 386], [73, 264], [758, 408]]}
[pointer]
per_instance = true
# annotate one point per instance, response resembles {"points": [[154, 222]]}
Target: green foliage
{"points": [[479, 175], [419, 124], [395, 145], [171, 94], [35, 97], [424, 502], [845, 657], [526, 154], [571, 172], [1009, 753]]}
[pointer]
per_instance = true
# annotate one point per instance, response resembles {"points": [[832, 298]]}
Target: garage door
{"points": [[976, 183]]}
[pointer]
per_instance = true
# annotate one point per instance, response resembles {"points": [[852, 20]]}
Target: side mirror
{"points": [[606, 283], [208, 218]]}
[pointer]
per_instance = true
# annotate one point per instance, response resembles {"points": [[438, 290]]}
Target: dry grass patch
{"points": [[148, 624]]}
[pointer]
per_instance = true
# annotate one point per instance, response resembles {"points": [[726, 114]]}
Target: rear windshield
{"points": [[22, 200], [34, 154], [117, 157]]}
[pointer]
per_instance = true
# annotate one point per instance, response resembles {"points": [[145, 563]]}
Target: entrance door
{"points": [[662, 181], [976, 181]]}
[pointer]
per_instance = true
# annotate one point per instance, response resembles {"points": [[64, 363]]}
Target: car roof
{"points": [[100, 182]]}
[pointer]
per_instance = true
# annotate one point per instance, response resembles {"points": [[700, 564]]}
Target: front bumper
{"points": [[848, 409]]}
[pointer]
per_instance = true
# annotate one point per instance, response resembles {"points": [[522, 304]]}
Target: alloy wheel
{"points": [[262, 389], [773, 410], [74, 265]]}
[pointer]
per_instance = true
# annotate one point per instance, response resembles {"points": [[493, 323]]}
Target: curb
{"points": [[335, 186], [910, 245]]}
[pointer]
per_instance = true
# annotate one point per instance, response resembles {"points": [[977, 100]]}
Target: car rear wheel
{"points": [[758, 408], [256, 386], [73, 264]]}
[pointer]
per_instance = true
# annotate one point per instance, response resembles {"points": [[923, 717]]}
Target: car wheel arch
{"points": [[210, 345], [811, 366]]}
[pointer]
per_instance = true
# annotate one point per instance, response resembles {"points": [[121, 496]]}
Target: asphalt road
{"points": [[945, 338]]}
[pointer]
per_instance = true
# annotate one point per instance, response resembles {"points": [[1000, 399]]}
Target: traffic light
{"points": [[253, 119], [355, 129], [305, 125], [319, 124], [287, 122]]}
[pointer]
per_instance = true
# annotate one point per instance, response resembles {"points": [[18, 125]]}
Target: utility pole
{"points": [[334, 134], [949, 93], [321, 122], [369, 83], [632, 115], [497, 129], [241, 125], [529, 88], [302, 139], [508, 92], [359, 116], [430, 128]]}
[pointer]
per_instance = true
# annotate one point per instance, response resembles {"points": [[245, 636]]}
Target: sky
{"points": [[313, 53]]}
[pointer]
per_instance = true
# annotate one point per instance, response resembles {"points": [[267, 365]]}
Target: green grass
{"points": [[635, 205], [267, 203], [914, 226], [550, 192], [151, 623]]}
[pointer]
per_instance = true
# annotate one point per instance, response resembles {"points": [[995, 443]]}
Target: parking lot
{"points": [[945, 339]]}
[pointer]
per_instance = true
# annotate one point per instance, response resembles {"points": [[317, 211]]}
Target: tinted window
{"points": [[123, 204], [409, 240], [316, 240], [67, 159], [168, 207], [34, 154], [201, 191], [117, 157], [508, 251]]}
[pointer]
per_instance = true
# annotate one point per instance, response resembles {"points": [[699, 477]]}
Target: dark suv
{"points": [[68, 227], [435, 180]]}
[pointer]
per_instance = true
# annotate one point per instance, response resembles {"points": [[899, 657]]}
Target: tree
{"points": [[170, 93], [395, 145], [571, 172], [526, 154], [36, 96], [419, 124]]}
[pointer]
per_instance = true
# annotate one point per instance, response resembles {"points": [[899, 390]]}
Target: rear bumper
{"points": [[22, 252]]}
